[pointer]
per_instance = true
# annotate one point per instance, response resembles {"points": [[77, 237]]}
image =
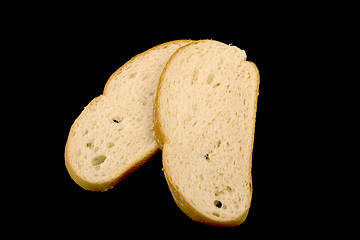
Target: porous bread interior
{"points": [[114, 132], [206, 114]]}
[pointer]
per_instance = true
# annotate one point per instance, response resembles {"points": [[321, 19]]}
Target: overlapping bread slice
{"points": [[113, 136], [205, 124]]}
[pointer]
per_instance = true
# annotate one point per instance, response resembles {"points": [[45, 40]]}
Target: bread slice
{"points": [[113, 136], [205, 124]]}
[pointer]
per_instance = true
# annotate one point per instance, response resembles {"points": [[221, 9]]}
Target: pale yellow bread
{"points": [[113, 135], [205, 111]]}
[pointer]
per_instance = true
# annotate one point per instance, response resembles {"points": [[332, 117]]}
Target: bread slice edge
{"points": [[158, 132]]}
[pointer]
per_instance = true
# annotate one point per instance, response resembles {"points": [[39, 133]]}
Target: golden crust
{"points": [[158, 130]]}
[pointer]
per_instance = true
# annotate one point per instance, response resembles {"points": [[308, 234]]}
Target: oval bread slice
{"points": [[205, 111], [113, 136]]}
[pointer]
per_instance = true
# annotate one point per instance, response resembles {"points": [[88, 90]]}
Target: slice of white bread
{"points": [[113, 136], [205, 111]]}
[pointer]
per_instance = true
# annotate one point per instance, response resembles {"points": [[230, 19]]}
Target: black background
{"points": [[93, 52], [81, 47]]}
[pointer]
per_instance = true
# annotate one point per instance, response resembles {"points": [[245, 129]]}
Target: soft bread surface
{"points": [[205, 111], [113, 135]]}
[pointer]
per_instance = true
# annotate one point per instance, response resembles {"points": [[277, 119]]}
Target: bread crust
{"points": [[103, 186], [182, 202], [158, 130]]}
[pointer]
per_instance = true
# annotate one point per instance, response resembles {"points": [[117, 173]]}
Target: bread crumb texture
{"points": [[114, 134], [206, 111]]}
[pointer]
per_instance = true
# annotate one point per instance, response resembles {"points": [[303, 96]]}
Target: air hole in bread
{"points": [[218, 144], [90, 145], [216, 85], [133, 75], [195, 76], [117, 119], [210, 78], [218, 204], [110, 145], [98, 160]]}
